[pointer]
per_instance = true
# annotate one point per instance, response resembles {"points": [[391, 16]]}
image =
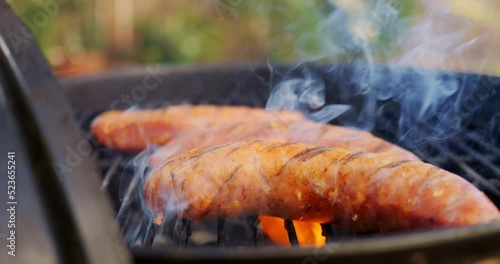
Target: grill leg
{"points": [[292, 235]]}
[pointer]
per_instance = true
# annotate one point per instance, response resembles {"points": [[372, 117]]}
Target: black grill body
{"points": [[469, 151]]}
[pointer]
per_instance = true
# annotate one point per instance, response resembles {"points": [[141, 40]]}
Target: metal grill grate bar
{"points": [[150, 234], [137, 234], [326, 231], [125, 224], [111, 172], [132, 187], [185, 232], [292, 235], [482, 182], [476, 139], [257, 232], [485, 184], [221, 232], [479, 157], [474, 176]]}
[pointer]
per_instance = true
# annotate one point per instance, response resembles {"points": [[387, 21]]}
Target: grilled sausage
{"points": [[302, 132], [134, 130], [366, 192]]}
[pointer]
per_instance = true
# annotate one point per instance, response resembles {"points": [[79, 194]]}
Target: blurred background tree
{"points": [[81, 37]]}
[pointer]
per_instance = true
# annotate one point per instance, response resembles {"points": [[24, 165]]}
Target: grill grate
{"points": [[185, 232], [472, 157], [290, 229], [221, 232]]}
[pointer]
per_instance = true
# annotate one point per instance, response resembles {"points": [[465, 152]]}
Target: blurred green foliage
{"points": [[233, 30], [218, 31], [248, 30]]}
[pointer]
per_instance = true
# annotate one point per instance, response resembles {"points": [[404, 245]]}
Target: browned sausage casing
{"points": [[134, 130], [300, 132], [363, 191]]}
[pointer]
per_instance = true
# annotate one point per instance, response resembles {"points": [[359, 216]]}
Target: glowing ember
{"points": [[308, 234]]}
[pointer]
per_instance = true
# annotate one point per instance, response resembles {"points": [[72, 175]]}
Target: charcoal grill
{"points": [[64, 216]]}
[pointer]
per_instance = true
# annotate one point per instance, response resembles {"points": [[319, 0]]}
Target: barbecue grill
{"points": [[79, 202]]}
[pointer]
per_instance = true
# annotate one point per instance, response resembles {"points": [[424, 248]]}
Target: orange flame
{"points": [[308, 234]]}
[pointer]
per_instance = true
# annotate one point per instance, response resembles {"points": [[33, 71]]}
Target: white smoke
{"points": [[307, 95], [391, 56]]}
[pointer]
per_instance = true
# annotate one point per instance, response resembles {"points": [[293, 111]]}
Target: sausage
{"points": [[366, 192], [301, 131], [134, 130]]}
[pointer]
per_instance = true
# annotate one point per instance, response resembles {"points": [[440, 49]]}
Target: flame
{"points": [[308, 234]]}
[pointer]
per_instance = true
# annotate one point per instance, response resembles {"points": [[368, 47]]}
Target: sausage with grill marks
{"points": [[300, 132], [366, 192]]}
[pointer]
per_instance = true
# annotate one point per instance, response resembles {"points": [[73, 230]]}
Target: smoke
{"points": [[392, 54], [306, 94]]}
